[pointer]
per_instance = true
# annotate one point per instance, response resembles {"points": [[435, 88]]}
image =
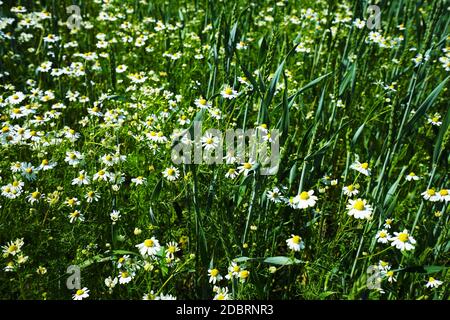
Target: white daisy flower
{"points": [[402, 241], [229, 93], [412, 177], [430, 195], [214, 276], [171, 173], [125, 277], [295, 243], [231, 173], [350, 190], [382, 236], [202, 103], [305, 199], [75, 216], [209, 142], [246, 167], [361, 167], [433, 283], [149, 247], [82, 179], [444, 195], [81, 294], [359, 209]]}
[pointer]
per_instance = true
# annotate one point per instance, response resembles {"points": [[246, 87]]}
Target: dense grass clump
{"points": [[91, 99]]}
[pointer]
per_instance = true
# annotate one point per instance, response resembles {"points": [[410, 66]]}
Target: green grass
{"points": [[320, 81]]}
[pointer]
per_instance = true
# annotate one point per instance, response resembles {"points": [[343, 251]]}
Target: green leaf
{"points": [[425, 106], [282, 260]]}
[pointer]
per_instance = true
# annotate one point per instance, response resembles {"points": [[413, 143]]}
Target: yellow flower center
{"points": [[36, 194], [247, 165], [124, 274], [121, 260], [244, 274], [364, 165], [412, 174], [403, 237], [382, 234], [390, 273], [228, 91], [304, 195], [435, 119], [171, 249], [214, 272], [220, 297], [148, 243], [431, 192], [202, 101], [80, 292], [350, 187], [209, 141], [15, 183], [431, 279], [12, 248], [296, 239], [170, 172], [108, 158], [44, 162], [359, 205], [75, 214], [443, 192], [388, 221], [236, 269]]}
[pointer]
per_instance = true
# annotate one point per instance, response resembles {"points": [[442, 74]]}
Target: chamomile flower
{"points": [[412, 177], [202, 103], [350, 190], [221, 294], [138, 181], [171, 173], [81, 294], [209, 142], [34, 197], [433, 283], [388, 223], [115, 215], [430, 195], [171, 249], [390, 276], [435, 120], [125, 277], [82, 179], [233, 270], [361, 167], [402, 240], [47, 165], [305, 199], [359, 209], [443, 195], [231, 173], [229, 93], [13, 247], [382, 236], [295, 243], [149, 247], [122, 261], [75, 216], [92, 196], [214, 275], [246, 167], [274, 195]]}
